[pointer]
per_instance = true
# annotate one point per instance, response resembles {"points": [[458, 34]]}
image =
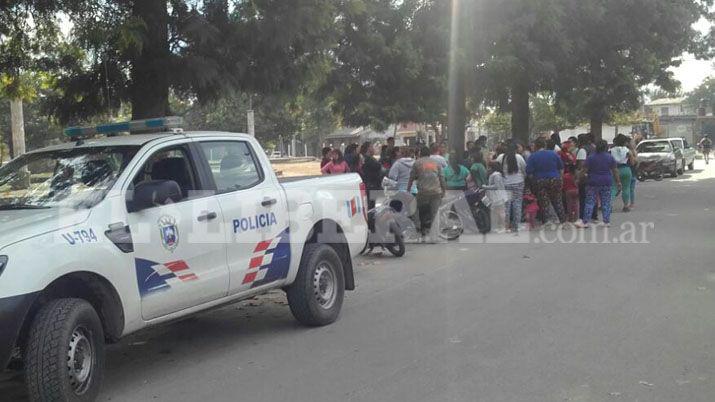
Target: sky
{"points": [[692, 72]]}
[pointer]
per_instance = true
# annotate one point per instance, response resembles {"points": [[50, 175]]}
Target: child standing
{"points": [[497, 195], [570, 190], [531, 209]]}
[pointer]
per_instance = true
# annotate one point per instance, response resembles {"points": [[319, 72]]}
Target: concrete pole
{"points": [[17, 124], [251, 119]]}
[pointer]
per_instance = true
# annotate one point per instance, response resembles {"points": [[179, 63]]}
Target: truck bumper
{"points": [[13, 311]]}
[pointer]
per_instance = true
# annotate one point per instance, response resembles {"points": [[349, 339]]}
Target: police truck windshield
{"points": [[72, 178]]}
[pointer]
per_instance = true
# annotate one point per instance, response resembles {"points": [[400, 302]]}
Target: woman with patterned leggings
{"points": [[514, 169], [546, 169], [602, 173]]}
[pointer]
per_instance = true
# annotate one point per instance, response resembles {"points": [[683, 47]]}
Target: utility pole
{"points": [[250, 118], [17, 123]]}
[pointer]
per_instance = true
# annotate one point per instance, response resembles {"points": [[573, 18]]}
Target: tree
{"points": [[141, 51], [523, 46], [28, 36], [544, 114], [389, 63], [619, 49], [497, 124], [704, 94]]}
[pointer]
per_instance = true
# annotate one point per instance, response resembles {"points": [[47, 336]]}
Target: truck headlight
{"points": [[3, 263], [670, 157]]}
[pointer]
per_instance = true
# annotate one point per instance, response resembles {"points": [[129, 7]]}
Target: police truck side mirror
{"points": [[153, 193]]}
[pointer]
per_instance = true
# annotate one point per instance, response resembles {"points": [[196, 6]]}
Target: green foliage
{"points": [[214, 48], [40, 128], [28, 44], [620, 47], [545, 115], [390, 62], [497, 125], [704, 92]]}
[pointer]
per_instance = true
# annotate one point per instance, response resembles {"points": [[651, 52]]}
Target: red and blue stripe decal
{"points": [[354, 206], [156, 277], [270, 261]]}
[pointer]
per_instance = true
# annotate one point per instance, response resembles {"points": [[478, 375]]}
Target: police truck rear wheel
{"points": [[316, 296], [65, 353]]}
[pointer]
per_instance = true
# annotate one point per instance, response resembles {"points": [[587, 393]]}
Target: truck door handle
{"points": [[267, 202], [207, 216]]}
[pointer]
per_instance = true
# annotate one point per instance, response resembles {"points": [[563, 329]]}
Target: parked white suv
{"points": [[687, 151]]}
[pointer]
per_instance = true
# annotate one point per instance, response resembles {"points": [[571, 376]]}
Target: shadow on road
{"points": [[183, 343]]}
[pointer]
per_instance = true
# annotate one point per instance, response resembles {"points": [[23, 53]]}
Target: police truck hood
{"points": [[21, 224]]}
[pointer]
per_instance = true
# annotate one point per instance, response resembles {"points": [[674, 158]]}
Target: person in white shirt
{"points": [[621, 154], [514, 170]]}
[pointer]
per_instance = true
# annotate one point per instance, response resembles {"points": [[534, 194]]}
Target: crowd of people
{"points": [[549, 181]]}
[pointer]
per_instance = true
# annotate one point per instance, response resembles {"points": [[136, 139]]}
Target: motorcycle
{"points": [[389, 223], [404, 205], [650, 170], [468, 210], [385, 232]]}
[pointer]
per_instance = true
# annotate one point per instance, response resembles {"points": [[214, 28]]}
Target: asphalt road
{"points": [[515, 319]]}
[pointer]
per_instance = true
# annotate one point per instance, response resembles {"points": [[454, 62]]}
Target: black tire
{"points": [[451, 225], [642, 177], [397, 247], [659, 176], [305, 296], [63, 331], [483, 220], [691, 166]]}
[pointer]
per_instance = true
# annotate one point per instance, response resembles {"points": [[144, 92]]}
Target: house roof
{"points": [[360, 132], [666, 101]]}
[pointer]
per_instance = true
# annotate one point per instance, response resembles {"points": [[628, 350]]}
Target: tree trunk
{"points": [[457, 117], [150, 82], [457, 101], [597, 126], [520, 112], [17, 123]]}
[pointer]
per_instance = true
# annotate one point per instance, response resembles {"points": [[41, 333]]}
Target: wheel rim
{"points": [[80, 360], [450, 225], [325, 285]]}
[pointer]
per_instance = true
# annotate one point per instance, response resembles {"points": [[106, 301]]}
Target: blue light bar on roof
{"points": [[158, 124]]}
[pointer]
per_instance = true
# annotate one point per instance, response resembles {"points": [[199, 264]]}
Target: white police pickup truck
{"points": [[101, 237]]}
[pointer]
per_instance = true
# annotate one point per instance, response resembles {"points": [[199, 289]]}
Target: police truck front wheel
{"points": [[316, 296], [64, 359]]}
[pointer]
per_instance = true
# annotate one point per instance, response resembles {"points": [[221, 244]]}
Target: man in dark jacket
{"points": [[371, 173]]}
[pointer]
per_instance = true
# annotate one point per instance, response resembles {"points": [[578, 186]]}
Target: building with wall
{"points": [[676, 118]]}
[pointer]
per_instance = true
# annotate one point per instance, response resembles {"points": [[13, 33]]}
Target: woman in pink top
{"points": [[337, 164]]}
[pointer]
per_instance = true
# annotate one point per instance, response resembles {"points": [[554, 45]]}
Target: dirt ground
{"points": [[297, 169]]}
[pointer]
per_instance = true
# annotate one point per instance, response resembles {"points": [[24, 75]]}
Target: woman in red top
{"points": [[337, 164]]}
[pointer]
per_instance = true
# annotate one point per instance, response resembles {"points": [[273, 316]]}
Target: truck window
{"points": [[233, 165], [64, 178], [170, 164]]}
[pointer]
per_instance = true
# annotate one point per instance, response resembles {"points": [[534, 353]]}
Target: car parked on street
{"points": [[661, 152], [688, 152], [103, 237]]}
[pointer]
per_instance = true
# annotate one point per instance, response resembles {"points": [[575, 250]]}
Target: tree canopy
{"points": [[141, 51]]}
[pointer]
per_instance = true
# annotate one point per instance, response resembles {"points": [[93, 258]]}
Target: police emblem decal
{"points": [[169, 232]]}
